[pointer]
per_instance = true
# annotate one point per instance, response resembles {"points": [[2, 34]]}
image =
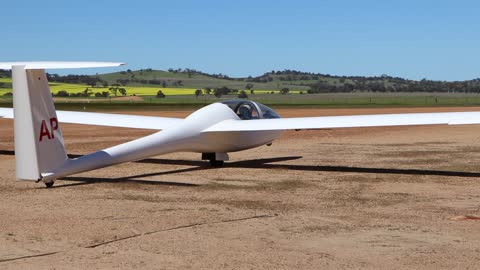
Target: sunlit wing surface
{"points": [[6, 113], [58, 65], [109, 119], [379, 120]]}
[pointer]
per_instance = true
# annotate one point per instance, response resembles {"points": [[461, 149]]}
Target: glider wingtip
{"points": [[59, 65]]}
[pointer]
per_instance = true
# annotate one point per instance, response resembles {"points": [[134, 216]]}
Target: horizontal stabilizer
{"points": [[6, 113], [58, 65]]}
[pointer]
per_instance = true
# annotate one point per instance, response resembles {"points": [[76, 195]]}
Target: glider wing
{"points": [[58, 65], [329, 122], [108, 119]]}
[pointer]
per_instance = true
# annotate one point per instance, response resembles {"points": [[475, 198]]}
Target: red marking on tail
{"points": [[53, 125], [46, 131]]}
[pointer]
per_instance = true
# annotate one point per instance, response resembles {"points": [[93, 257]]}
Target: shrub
{"points": [[284, 91], [242, 94], [62, 93], [160, 94]]}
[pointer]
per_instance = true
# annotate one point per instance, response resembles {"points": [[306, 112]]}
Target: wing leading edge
{"points": [[108, 119], [327, 122]]}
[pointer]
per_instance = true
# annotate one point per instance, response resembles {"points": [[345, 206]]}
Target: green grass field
{"points": [[131, 90], [146, 97], [274, 100]]}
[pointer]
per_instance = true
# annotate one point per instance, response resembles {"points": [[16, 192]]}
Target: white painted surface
{"points": [[379, 120], [109, 119], [39, 147], [58, 65]]}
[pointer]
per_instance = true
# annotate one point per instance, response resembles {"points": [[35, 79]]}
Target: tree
{"points": [[218, 92], [105, 84], [208, 90], [252, 91], [198, 92], [102, 94], [62, 93], [249, 86], [114, 88], [160, 94], [92, 81], [123, 82], [87, 92], [122, 91], [284, 91], [242, 94]]}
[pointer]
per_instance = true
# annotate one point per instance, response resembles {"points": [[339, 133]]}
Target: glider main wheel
{"points": [[216, 163], [49, 184]]}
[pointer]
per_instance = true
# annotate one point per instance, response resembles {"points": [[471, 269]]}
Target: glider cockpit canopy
{"points": [[249, 110]]}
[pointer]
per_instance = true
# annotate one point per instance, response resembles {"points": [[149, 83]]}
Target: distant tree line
{"points": [[92, 81], [163, 83], [85, 93], [115, 90], [395, 85], [5, 73], [316, 82], [191, 72]]}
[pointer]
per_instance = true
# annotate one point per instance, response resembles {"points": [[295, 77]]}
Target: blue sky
{"points": [[412, 39]]}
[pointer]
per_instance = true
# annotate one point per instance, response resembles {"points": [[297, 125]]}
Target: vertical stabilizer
{"points": [[39, 143]]}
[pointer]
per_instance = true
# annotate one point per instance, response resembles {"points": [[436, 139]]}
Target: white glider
{"points": [[214, 130]]}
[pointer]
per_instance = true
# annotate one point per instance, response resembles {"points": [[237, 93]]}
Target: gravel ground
{"points": [[363, 198]]}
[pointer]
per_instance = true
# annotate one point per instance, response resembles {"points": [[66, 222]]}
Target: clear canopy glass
{"points": [[249, 110]]}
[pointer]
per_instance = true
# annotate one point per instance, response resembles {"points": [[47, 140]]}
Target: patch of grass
{"points": [[360, 178], [35, 238], [283, 185], [317, 228], [412, 153], [141, 197], [290, 184], [185, 96], [252, 204]]}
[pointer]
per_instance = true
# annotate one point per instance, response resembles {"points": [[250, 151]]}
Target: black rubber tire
{"points": [[216, 163], [49, 184]]}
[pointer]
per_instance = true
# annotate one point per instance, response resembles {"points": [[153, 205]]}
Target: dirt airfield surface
{"points": [[362, 198]]}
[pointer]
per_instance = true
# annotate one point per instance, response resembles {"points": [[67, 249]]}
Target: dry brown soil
{"points": [[363, 198]]}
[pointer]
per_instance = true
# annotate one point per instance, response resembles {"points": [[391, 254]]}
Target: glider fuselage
{"points": [[188, 136]]}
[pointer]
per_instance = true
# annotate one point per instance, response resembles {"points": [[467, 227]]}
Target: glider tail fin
{"points": [[39, 145]]}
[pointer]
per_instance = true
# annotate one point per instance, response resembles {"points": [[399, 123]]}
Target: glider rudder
{"points": [[39, 146], [39, 143]]}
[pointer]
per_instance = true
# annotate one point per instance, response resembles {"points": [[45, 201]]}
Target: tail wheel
{"points": [[216, 163], [49, 184]]}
